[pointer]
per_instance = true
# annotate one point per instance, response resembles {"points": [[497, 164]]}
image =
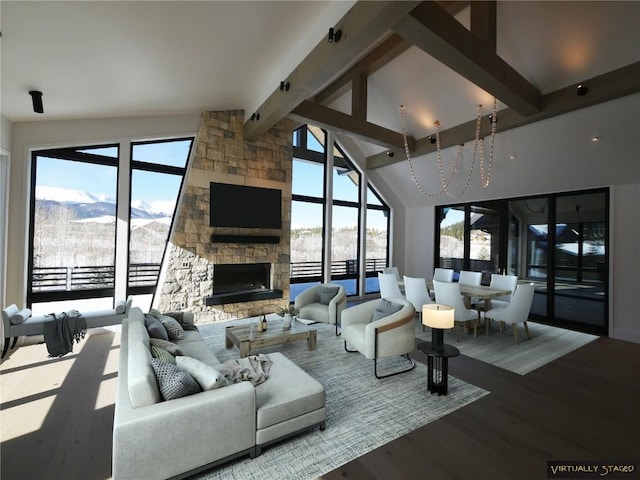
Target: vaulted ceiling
{"points": [[439, 60]]}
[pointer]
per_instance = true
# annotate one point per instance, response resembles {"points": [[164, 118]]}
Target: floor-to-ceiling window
{"points": [[316, 188], [157, 171], [557, 241], [74, 221]]}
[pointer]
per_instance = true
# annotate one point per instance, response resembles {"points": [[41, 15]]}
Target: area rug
{"points": [[363, 413], [547, 344]]}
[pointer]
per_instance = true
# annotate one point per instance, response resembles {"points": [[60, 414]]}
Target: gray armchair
{"points": [[389, 336], [322, 303]]}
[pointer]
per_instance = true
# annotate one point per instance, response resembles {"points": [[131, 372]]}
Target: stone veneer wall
{"points": [[222, 155]]}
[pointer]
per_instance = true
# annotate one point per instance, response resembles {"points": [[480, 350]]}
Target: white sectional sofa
{"points": [[156, 439]]}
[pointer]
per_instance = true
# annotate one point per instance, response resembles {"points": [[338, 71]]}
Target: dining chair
{"points": [[441, 275], [393, 270], [415, 289], [448, 293], [516, 312], [470, 278], [389, 286], [503, 282]]}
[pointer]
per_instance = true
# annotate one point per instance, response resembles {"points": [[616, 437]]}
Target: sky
{"points": [[100, 180]]}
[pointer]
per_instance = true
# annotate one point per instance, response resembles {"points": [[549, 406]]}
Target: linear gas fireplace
{"points": [[245, 282]]}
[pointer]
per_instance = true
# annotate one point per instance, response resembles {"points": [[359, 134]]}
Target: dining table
{"points": [[480, 292]]}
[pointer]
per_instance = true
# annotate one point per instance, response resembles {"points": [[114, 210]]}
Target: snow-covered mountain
{"points": [[87, 207]]}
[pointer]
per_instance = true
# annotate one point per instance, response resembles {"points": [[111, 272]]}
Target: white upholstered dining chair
{"points": [[389, 285], [516, 312], [470, 278], [415, 289], [448, 293]]}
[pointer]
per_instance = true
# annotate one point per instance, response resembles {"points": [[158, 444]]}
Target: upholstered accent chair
{"points": [[379, 329], [322, 303]]}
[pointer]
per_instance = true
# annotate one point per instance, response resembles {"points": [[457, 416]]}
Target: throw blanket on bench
{"points": [[62, 331], [254, 369]]}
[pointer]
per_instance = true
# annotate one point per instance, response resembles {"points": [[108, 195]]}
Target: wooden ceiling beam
{"points": [[325, 117], [433, 30], [389, 49], [364, 24], [603, 88], [484, 22]]}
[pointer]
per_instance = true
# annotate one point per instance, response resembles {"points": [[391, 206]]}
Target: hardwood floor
{"points": [[57, 416], [583, 406]]}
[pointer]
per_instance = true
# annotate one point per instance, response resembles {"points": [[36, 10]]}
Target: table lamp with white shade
{"points": [[439, 317]]}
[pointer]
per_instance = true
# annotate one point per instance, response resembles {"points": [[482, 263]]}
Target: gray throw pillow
{"points": [[327, 294], [384, 308], [170, 347], [155, 328], [172, 381]]}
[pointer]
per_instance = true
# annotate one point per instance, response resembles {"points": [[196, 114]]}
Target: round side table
{"points": [[438, 366]]}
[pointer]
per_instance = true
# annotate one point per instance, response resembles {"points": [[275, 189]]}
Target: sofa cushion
{"points": [[162, 354], [207, 376], [21, 316], [327, 294], [198, 350], [142, 383], [170, 347], [155, 328], [172, 381], [9, 312], [289, 392], [384, 308]]}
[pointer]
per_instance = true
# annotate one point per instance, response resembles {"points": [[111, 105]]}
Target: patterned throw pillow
{"points": [[155, 328], [173, 327], [207, 376], [170, 347], [162, 354], [173, 382]]}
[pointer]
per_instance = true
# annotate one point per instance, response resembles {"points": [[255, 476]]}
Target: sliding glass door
{"points": [[559, 242]]}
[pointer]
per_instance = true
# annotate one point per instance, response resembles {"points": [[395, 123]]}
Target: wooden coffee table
{"points": [[239, 335]]}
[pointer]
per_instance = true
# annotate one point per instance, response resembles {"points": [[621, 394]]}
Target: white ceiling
{"points": [[94, 59]]}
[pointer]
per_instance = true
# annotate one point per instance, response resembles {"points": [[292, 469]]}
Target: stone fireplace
{"points": [[201, 256]]}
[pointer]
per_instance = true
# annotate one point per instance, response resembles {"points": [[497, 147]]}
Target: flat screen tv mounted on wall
{"points": [[244, 206]]}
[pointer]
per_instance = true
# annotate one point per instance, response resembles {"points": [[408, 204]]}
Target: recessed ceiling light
{"points": [[595, 139], [513, 156]]}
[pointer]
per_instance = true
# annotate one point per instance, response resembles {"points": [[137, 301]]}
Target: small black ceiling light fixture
{"points": [[36, 99], [390, 153], [432, 139], [582, 90], [255, 117], [285, 86], [334, 35]]}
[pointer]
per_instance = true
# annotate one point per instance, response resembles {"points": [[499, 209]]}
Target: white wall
{"points": [[5, 149], [28, 136]]}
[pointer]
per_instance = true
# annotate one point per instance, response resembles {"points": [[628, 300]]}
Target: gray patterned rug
{"points": [[547, 344], [363, 413]]}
